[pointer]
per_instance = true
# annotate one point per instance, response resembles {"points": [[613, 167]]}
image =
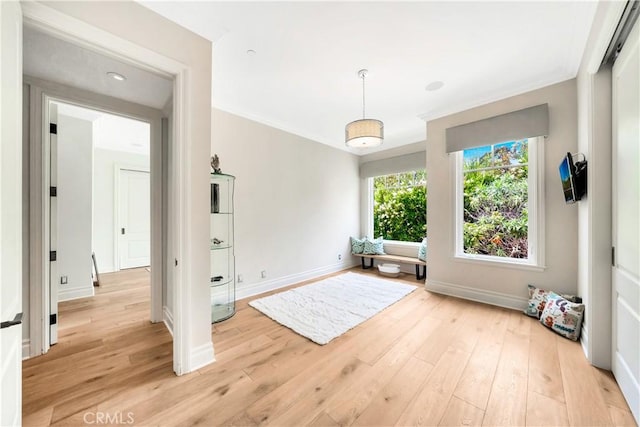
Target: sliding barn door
{"points": [[626, 220]]}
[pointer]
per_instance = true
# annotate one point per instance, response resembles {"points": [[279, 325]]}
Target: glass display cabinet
{"points": [[221, 257]]}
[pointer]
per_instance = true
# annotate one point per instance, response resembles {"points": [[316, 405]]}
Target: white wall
{"points": [[75, 151], [501, 285], [105, 162], [296, 202], [594, 140]]}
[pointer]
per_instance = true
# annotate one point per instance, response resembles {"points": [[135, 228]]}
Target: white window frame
{"points": [[536, 226]]}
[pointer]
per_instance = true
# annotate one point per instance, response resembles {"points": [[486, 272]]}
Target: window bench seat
{"points": [[396, 258]]}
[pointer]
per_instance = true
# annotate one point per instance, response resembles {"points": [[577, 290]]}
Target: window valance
{"points": [[525, 123], [397, 164]]}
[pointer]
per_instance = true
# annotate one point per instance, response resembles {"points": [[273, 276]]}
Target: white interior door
{"points": [[626, 219], [10, 214], [134, 218]]}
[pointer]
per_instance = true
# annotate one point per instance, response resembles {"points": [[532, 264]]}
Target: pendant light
{"points": [[364, 133]]}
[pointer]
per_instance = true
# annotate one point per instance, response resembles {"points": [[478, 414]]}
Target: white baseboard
{"points": [[75, 293], [584, 340], [26, 348], [475, 294], [167, 318], [201, 356], [282, 282]]}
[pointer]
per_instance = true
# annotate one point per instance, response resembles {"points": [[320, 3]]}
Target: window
{"points": [[498, 203], [399, 210]]}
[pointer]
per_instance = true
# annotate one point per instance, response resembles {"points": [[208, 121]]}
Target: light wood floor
{"points": [[426, 360]]}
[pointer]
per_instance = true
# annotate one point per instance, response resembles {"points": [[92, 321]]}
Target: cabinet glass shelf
{"points": [[216, 248], [220, 282], [221, 256]]}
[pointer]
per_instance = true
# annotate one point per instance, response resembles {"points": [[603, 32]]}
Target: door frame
{"points": [[41, 93], [118, 167], [67, 27]]}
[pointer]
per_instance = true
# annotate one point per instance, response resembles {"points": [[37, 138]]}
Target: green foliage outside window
{"points": [[495, 200], [400, 206]]}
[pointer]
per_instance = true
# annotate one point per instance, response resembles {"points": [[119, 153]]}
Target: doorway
{"points": [[98, 29], [45, 204], [46, 90], [91, 202]]}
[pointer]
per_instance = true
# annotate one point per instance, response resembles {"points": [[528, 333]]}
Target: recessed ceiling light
{"points": [[116, 76], [433, 86], [251, 52]]}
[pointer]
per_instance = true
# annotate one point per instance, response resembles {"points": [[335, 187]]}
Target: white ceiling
{"points": [[111, 132], [56, 60], [303, 76]]}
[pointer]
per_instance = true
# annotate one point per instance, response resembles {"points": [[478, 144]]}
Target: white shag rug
{"points": [[327, 309]]}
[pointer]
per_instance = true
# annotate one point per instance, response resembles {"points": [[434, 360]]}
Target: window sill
{"points": [[496, 262]]}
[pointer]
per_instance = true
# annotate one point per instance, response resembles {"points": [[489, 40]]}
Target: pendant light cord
{"points": [[363, 76]]}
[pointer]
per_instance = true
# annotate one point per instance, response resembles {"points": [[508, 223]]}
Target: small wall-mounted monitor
{"points": [[573, 178]]}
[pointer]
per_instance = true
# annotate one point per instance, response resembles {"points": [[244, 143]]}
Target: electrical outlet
{"points": [[240, 278], [63, 280], [339, 257], [263, 274]]}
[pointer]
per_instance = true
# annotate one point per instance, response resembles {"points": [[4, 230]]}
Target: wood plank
{"points": [[323, 420], [544, 365], [545, 411], [461, 413], [508, 399], [454, 314], [621, 417], [38, 418], [81, 418], [387, 406], [419, 303], [429, 405], [397, 258], [476, 381], [387, 338], [348, 404], [585, 402], [240, 420], [609, 389], [311, 387], [226, 410], [191, 409]]}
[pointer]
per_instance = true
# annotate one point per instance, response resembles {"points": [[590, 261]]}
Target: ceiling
{"points": [[111, 132], [56, 60], [303, 75]]}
